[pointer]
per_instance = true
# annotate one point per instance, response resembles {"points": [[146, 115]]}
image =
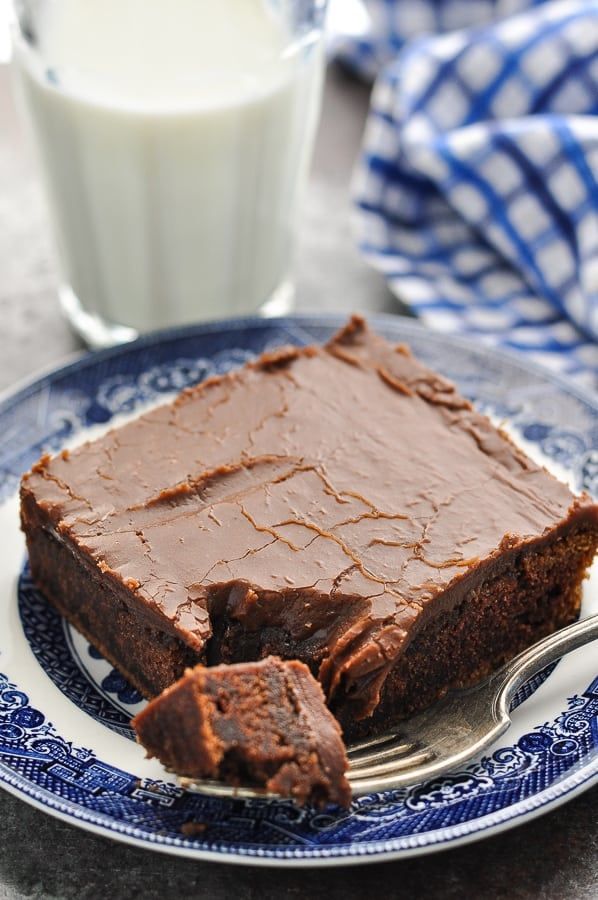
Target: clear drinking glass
{"points": [[174, 138]]}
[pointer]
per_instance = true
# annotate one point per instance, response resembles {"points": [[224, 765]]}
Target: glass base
{"points": [[98, 332], [280, 302]]}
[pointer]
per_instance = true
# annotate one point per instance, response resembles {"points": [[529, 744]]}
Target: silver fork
{"points": [[444, 736]]}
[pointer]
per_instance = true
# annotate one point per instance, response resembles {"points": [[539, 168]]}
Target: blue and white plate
{"points": [[65, 741]]}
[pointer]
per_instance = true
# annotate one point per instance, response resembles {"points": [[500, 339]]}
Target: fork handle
{"points": [[540, 655]]}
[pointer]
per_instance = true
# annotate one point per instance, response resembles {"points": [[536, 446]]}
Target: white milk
{"points": [[174, 137]]}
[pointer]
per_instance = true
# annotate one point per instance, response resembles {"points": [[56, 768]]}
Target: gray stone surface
{"points": [[551, 858]]}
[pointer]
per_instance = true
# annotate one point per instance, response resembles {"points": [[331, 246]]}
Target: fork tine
{"points": [[394, 751], [219, 789], [378, 741], [358, 772]]}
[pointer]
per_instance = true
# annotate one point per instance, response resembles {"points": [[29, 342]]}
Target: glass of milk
{"points": [[174, 138]]}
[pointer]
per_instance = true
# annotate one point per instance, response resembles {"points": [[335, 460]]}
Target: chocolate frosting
{"points": [[341, 493]]}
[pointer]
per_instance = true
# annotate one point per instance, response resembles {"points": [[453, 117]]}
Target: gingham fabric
{"points": [[394, 22], [477, 192]]}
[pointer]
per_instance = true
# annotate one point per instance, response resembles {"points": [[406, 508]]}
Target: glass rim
{"points": [[65, 78]]}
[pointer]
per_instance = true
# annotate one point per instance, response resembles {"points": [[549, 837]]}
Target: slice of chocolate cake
{"points": [[261, 724], [342, 505]]}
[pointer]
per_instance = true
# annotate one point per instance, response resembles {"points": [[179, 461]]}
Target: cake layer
{"points": [[261, 724], [333, 504]]}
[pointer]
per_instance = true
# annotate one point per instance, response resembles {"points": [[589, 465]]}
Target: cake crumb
{"points": [[193, 829]]}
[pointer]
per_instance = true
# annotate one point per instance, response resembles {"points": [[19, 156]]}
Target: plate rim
{"points": [[83, 358], [305, 857], [371, 852]]}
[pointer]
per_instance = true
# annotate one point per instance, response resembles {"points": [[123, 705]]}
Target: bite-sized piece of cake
{"points": [[262, 724], [342, 505]]}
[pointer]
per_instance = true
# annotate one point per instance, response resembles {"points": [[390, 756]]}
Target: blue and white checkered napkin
{"points": [[477, 193], [377, 37]]}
